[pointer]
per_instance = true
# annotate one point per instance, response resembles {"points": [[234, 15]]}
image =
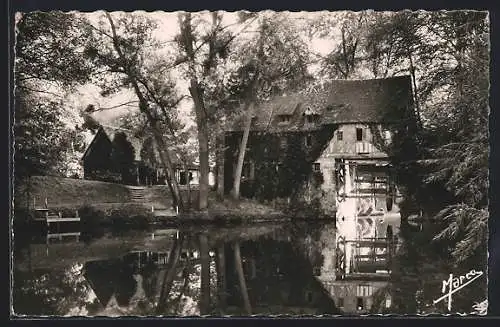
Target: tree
{"points": [[272, 62], [120, 51], [49, 51], [345, 58], [451, 147], [217, 40], [40, 137], [462, 160], [48, 63]]}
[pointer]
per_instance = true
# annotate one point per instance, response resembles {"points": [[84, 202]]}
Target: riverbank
{"points": [[116, 204]]}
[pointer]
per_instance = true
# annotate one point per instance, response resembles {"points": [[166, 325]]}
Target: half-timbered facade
{"points": [[328, 147]]}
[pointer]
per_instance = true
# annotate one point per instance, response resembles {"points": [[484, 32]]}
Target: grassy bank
{"points": [[109, 203], [67, 192]]}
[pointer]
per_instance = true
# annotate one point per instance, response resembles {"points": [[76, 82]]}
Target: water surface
{"points": [[289, 268]]}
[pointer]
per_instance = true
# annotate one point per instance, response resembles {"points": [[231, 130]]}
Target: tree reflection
{"points": [[204, 273], [63, 293], [171, 273], [241, 278]]}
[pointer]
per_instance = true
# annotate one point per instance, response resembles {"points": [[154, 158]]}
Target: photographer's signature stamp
{"points": [[454, 284]]}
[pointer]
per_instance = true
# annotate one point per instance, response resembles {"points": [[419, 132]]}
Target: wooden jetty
{"points": [[75, 236], [48, 216]]}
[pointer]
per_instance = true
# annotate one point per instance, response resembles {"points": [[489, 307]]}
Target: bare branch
{"points": [[40, 91], [117, 106]]}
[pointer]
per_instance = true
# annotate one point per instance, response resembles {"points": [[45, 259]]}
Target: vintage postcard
{"points": [[250, 163]]}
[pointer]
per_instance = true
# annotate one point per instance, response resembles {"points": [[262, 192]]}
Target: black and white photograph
{"points": [[250, 163]]}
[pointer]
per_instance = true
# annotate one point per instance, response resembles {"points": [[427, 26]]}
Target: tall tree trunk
{"points": [[241, 155], [345, 56], [414, 85], [205, 275], [196, 92], [250, 99], [167, 164], [220, 166], [168, 280], [221, 278], [202, 123], [241, 278], [144, 108], [188, 184]]}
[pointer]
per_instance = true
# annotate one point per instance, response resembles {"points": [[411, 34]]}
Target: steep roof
{"points": [[337, 102], [375, 100], [135, 141], [131, 137]]}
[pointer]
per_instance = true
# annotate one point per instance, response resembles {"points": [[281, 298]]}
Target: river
{"points": [[262, 269]]}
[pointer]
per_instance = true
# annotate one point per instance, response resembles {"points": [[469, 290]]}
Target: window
{"points": [[284, 119], [309, 296], [283, 142], [359, 303], [308, 140], [183, 177], [388, 302], [340, 135], [359, 134], [311, 119], [248, 171], [364, 290], [316, 166], [341, 302]]}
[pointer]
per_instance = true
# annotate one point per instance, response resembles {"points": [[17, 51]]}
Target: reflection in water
{"points": [[261, 269]]}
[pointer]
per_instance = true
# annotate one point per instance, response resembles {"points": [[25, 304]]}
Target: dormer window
{"points": [[311, 116], [387, 135], [284, 118], [311, 119], [283, 142], [308, 140]]}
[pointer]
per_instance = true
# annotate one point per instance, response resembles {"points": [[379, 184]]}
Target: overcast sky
{"points": [[167, 29]]}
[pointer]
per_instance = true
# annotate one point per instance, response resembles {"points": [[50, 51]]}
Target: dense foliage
{"points": [[48, 60]]}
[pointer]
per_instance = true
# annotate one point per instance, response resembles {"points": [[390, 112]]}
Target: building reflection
{"points": [[295, 269]]}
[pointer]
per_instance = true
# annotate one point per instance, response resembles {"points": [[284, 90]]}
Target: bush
{"points": [[106, 176], [130, 215], [90, 216]]}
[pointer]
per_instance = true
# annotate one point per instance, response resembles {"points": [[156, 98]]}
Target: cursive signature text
{"points": [[454, 284]]}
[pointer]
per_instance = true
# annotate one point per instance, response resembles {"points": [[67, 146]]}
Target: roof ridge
{"points": [[369, 79]]}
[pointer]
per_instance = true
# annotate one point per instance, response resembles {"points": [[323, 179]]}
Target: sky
{"points": [[166, 31]]}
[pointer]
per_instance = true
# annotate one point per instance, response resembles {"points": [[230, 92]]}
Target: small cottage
{"points": [[118, 155]]}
